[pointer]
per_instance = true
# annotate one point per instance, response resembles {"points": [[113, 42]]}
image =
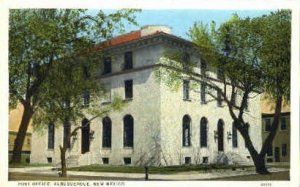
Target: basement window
{"points": [[105, 160], [187, 160], [127, 160], [49, 160]]}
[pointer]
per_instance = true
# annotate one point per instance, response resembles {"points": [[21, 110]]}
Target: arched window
{"points": [[128, 131], [220, 135], [106, 132], [234, 136], [51, 136], [203, 132], [186, 131]]}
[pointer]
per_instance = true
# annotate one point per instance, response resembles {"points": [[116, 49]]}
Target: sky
{"points": [[181, 20]]}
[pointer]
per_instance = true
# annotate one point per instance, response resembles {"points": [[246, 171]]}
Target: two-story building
{"points": [[280, 150], [158, 126]]}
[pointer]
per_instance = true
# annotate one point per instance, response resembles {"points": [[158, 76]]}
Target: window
{"points": [[49, 160], [234, 137], [186, 89], [283, 123], [128, 60], [247, 105], [268, 125], [86, 99], [203, 95], [247, 130], [270, 151], [187, 160], [219, 98], [220, 74], [233, 99], [51, 136], [185, 63], [205, 160], [284, 149], [105, 160], [106, 132], [186, 132], [67, 131], [128, 131], [86, 72], [128, 89], [67, 103], [127, 160], [106, 65], [203, 67], [203, 132]]}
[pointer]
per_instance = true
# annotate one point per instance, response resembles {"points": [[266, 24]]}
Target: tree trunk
{"points": [[259, 162], [63, 161], [19, 141], [258, 159]]}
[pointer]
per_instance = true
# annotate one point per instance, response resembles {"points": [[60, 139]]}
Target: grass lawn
{"points": [[156, 170]]}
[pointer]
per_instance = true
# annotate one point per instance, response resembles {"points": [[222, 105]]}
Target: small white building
{"points": [[158, 126]]}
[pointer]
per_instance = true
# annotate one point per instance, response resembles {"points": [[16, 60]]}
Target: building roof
{"points": [[15, 117], [136, 36]]}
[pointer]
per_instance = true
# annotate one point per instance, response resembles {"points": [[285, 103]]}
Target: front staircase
{"points": [[71, 161], [230, 158]]}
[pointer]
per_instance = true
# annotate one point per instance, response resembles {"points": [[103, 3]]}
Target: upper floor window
{"points": [[220, 74], [67, 103], [283, 123], [51, 136], [233, 99], [106, 65], [128, 89], [203, 67], [203, 92], [106, 132], [203, 132], [86, 99], [128, 131], [186, 131], [186, 90], [128, 62], [219, 98], [247, 126], [247, 105], [67, 132], [234, 136], [86, 72], [268, 125], [185, 61]]}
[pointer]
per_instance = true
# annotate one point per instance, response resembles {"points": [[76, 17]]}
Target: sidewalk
{"points": [[192, 175]]}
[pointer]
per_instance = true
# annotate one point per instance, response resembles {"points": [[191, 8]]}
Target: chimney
{"points": [[152, 29]]}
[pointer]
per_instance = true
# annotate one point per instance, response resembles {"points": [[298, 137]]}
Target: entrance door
{"points": [[277, 154], [85, 136], [220, 135]]}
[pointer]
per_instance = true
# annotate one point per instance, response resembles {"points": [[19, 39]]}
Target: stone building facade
{"points": [[158, 126]]}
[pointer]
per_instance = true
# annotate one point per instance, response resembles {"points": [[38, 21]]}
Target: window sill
{"points": [[203, 102], [128, 148], [106, 103], [127, 99], [189, 100], [106, 148], [52, 149]]}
